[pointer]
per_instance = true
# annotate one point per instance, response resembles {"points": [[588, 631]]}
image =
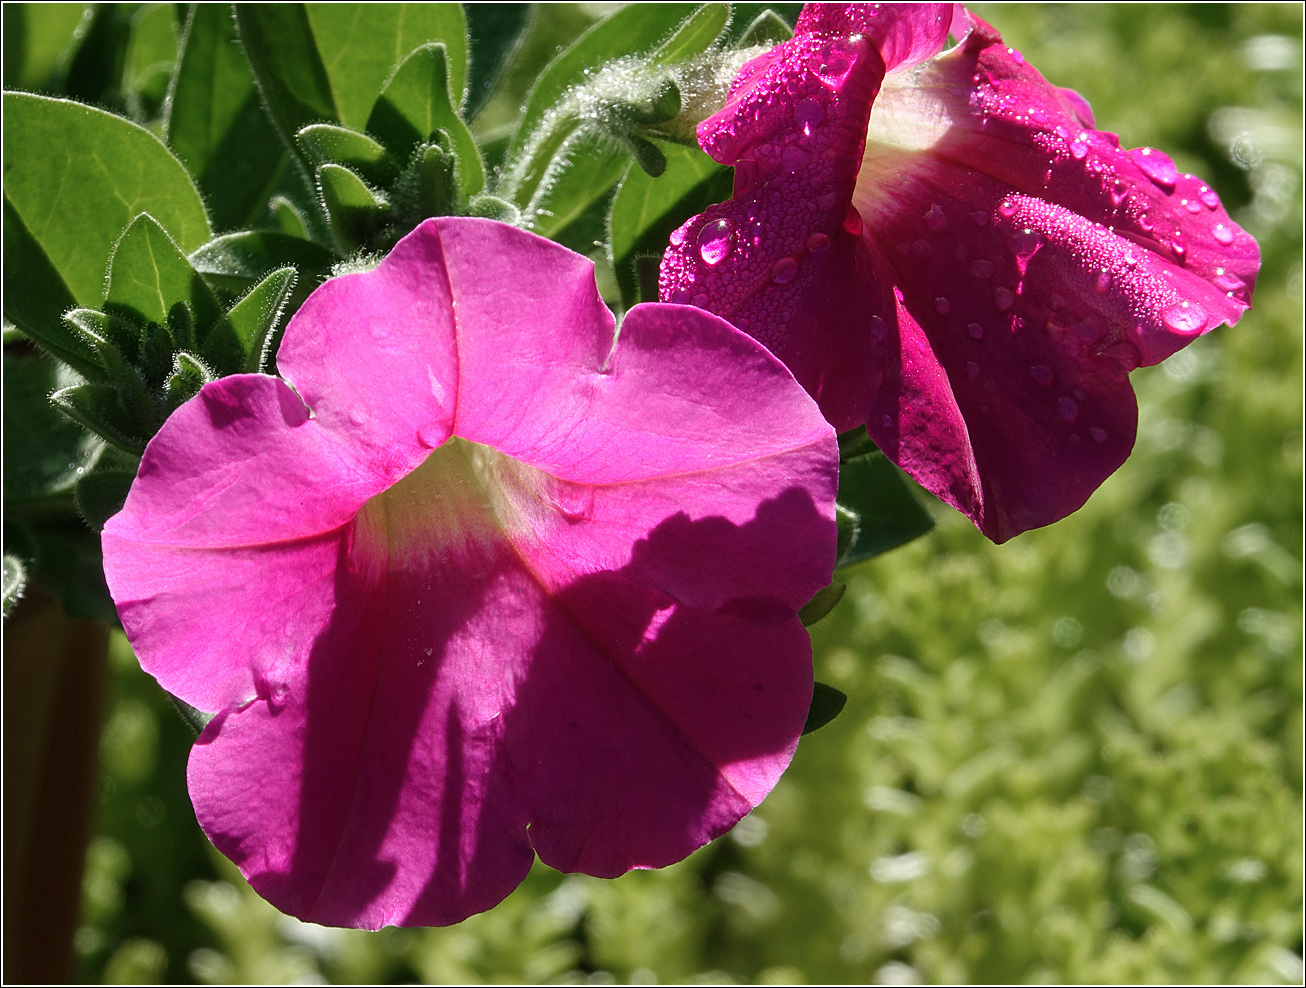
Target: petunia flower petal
{"points": [[1009, 264], [570, 627]]}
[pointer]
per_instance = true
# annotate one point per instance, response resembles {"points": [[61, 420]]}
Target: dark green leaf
{"points": [[279, 44], [595, 166], [38, 42], [254, 318], [96, 69], [854, 443], [361, 44], [216, 123], [355, 211], [189, 374], [872, 489], [35, 296], [822, 603], [647, 209], [415, 104], [695, 35], [827, 704], [330, 144], [149, 275], [100, 496], [494, 29], [235, 263], [44, 453], [95, 172], [99, 407], [768, 28]]}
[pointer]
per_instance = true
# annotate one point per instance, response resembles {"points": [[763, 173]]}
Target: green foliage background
{"points": [[1075, 757]]}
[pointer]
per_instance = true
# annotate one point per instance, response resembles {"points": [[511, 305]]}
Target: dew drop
{"points": [[1145, 223], [357, 416], [1098, 434], [981, 268], [794, 158], [879, 331], [1117, 193], [942, 306], [1041, 373], [935, 219], [716, 240], [1131, 261], [1228, 282], [1156, 165], [979, 218], [818, 243], [887, 421], [701, 300], [430, 436], [1102, 282], [852, 221], [1179, 248], [1222, 234], [826, 201], [833, 70], [809, 111], [1004, 298], [1007, 208], [1079, 150], [975, 331], [677, 237], [1192, 205], [1186, 317], [1209, 197], [920, 249], [784, 271], [1124, 355], [972, 370], [1067, 409], [1016, 56]]}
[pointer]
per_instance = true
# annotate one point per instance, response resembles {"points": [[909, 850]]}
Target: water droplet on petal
{"points": [[975, 331], [784, 271], [1156, 165], [1041, 373], [1192, 205], [1222, 234], [818, 243], [852, 222], [809, 111], [1145, 223], [1179, 248], [942, 306], [979, 218], [920, 249], [1067, 409], [1079, 150], [887, 421], [1007, 208], [1004, 298], [826, 201], [833, 70], [1131, 261], [677, 237], [357, 416], [972, 370], [701, 300], [879, 331], [1016, 56], [936, 219], [1098, 434], [1186, 317], [1226, 281], [716, 240], [794, 158], [1209, 197], [981, 268], [430, 436], [1102, 282]]}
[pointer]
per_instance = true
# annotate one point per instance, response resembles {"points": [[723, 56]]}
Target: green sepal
{"points": [[235, 263], [827, 704], [101, 495], [189, 374], [648, 156], [14, 581], [355, 211], [149, 275], [767, 28], [884, 514], [694, 35], [288, 217], [415, 104], [99, 408], [331, 144], [822, 603], [99, 329], [254, 318], [661, 105], [120, 374], [195, 718], [428, 187], [494, 208], [157, 348]]}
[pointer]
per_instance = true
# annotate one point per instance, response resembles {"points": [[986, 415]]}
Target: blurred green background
{"points": [[1074, 757]]}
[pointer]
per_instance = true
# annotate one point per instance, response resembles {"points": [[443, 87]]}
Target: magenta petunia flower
{"points": [[940, 245], [482, 585]]}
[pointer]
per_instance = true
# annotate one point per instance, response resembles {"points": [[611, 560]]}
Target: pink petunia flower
{"points": [[939, 245], [482, 585]]}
